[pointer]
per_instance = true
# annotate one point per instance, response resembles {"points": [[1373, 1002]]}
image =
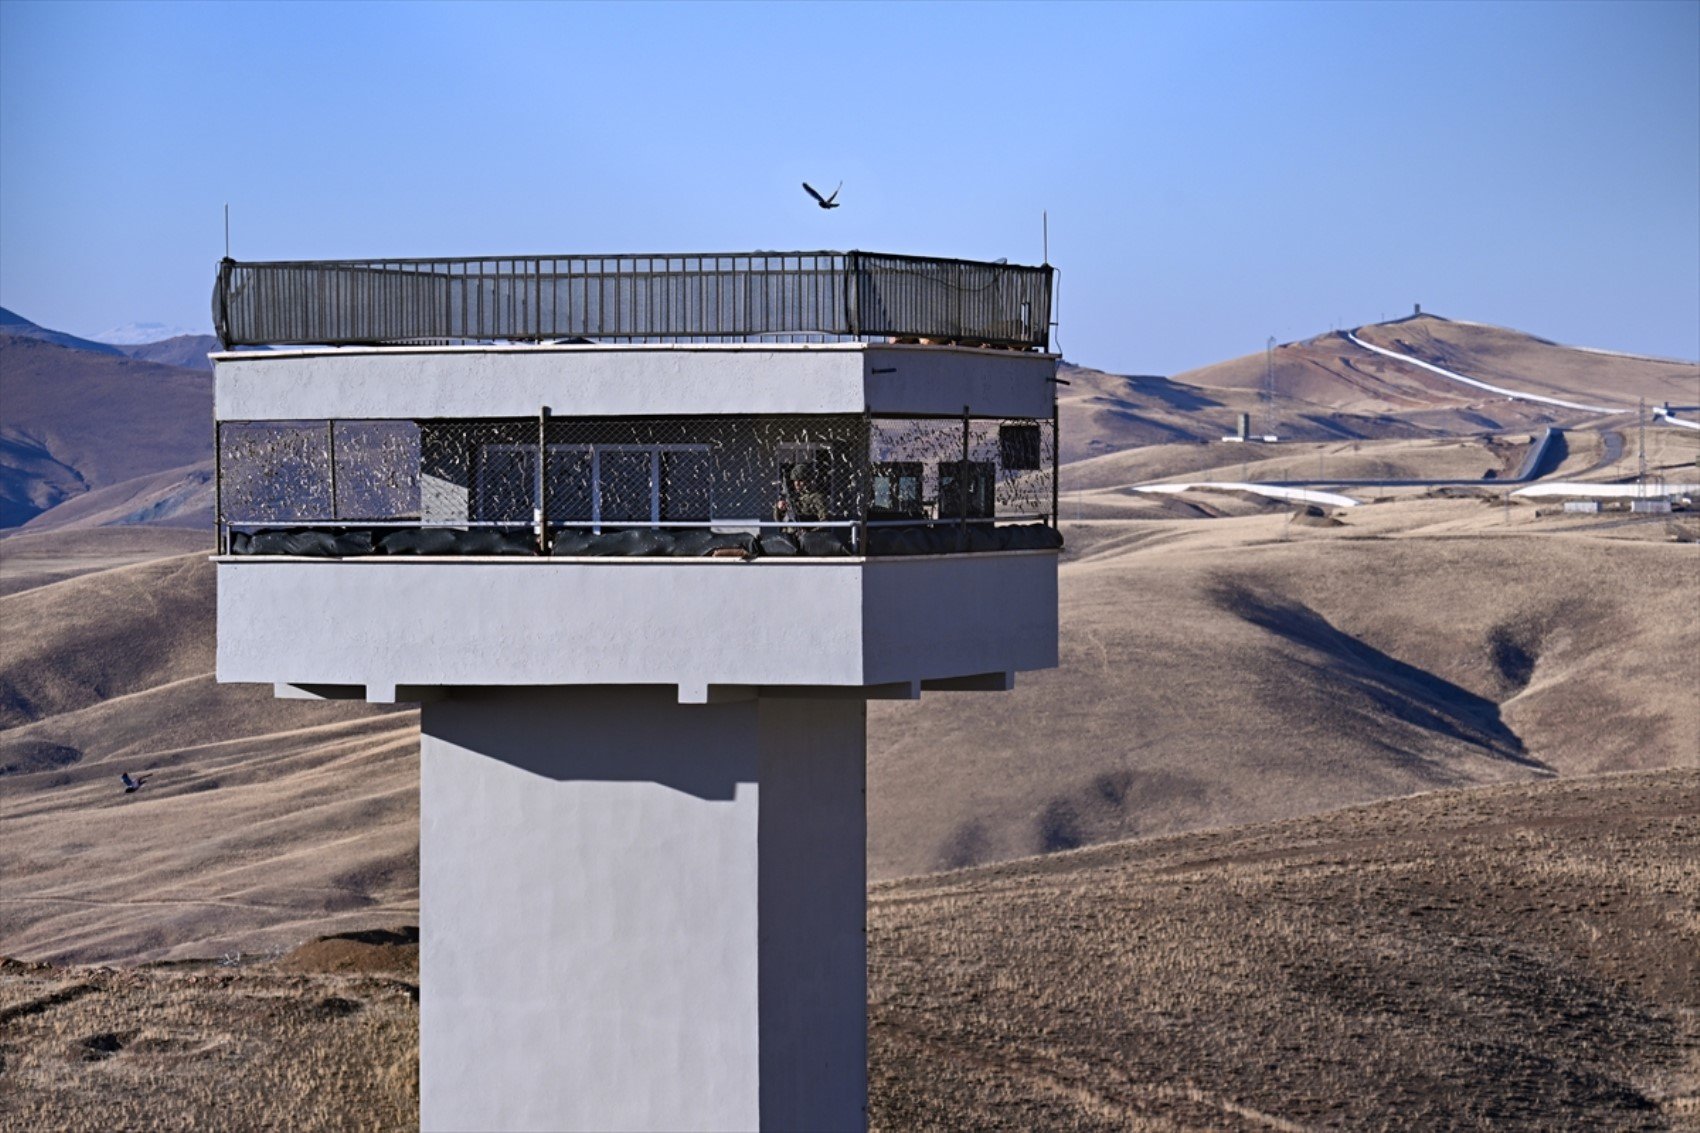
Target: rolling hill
{"points": [[1519, 957], [1222, 663], [77, 420]]}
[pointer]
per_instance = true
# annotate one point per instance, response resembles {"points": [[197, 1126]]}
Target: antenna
{"points": [[227, 230], [1045, 221], [1269, 385]]}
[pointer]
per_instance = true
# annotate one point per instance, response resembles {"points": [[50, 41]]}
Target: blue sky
{"points": [[1215, 173]]}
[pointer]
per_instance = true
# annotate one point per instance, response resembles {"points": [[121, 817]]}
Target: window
{"points": [[1019, 448], [505, 483], [628, 485], [896, 491], [980, 479]]}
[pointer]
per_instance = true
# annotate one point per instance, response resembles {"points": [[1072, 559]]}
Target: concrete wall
{"points": [[418, 383], [641, 915], [386, 621]]}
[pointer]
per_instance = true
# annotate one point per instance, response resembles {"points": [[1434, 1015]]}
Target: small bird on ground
{"points": [[824, 202], [131, 786]]}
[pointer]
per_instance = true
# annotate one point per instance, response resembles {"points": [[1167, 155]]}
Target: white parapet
{"points": [[471, 382], [377, 625]]}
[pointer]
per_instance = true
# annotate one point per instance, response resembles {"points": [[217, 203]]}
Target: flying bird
{"points": [[824, 202], [131, 786]]}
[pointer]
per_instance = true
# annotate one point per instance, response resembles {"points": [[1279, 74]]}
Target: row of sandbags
{"points": [[340, 544], [946, 539], [640, 542]]}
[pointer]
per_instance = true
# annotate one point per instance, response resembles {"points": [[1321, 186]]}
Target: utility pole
{"points": [[1641, 448], [1269, 386]]}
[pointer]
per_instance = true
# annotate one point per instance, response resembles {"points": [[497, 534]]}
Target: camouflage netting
{"points": [[676, 485]]}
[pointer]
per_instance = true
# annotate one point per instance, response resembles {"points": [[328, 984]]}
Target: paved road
{"points": [[1613, 441], [1479, 384]]}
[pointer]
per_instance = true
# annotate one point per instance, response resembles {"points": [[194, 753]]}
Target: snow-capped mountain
{"points": [[131, 334]]}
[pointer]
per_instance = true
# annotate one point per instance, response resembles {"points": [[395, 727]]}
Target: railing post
{"points": [[1056, 467], [860, 531], [542, 512], [221, 538], [330, 450], [962, 486]]}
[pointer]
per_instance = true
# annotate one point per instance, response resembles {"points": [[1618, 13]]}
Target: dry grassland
{"points": [[1523, 957], [1249, 669], [207, 1047]]}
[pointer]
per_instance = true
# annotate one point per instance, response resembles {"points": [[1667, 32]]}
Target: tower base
{"points": [[641, 914]]}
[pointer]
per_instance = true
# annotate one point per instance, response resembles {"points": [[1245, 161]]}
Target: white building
{"points": [[642, 535]]}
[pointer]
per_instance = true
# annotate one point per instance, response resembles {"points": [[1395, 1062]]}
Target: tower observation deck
{"points": [[642, 534]]}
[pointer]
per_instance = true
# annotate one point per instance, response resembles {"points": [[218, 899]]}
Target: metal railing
{"points": [[852, 483], [735, 297]]}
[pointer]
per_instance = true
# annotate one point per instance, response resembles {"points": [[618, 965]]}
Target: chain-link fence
{"points": [[828, 484]]}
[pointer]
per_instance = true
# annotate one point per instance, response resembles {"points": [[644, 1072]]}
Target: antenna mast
{"points": [[1641, 447], [1269, 385]]}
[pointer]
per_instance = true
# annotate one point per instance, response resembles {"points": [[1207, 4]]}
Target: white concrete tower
{"points": [[642, 535]]}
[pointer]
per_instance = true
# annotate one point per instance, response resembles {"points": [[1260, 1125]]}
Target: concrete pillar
{"points": [[639, 914]]}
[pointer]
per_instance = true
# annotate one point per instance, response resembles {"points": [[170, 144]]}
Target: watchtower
{"points": [[642, 534]]}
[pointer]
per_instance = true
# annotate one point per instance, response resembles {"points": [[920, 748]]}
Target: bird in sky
{"points": [[131, 786], [824, 202]]}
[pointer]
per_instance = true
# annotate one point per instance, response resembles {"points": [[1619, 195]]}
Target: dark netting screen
{"points": [[759, 296], [844, 475]]}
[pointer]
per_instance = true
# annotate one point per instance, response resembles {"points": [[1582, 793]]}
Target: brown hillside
{"points": [[1245, 669], [1521, 361], [1518, 957], [87, 420], [1521, 957], [262, 821]]}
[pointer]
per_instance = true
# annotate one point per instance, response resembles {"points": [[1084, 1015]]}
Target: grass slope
{"points": [[1243, 670], [1523, 957]]}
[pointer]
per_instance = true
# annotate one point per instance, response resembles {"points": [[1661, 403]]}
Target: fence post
{"points": [[541, 515], [1056, 462], [221, 539], [962, 487], [330, 450]]}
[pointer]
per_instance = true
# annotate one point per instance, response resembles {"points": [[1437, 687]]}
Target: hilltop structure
{"points": [[642, 535]]}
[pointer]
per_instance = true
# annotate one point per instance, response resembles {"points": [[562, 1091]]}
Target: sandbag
{"points": [[352, 543], [308, 544], [571, 544], [734, 540], [629, 544], [777, 544], [419, 541], [239, 543], [821, 543], [692, 544], [489, 541]]}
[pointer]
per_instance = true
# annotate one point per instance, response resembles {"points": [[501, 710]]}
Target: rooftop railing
{"points": [[737, 297]]}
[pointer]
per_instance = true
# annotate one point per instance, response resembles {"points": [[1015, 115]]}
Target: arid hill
{"points": [[1328, 388], [261, 822], [1520, 958], [75, 421], [1245, 669]]}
